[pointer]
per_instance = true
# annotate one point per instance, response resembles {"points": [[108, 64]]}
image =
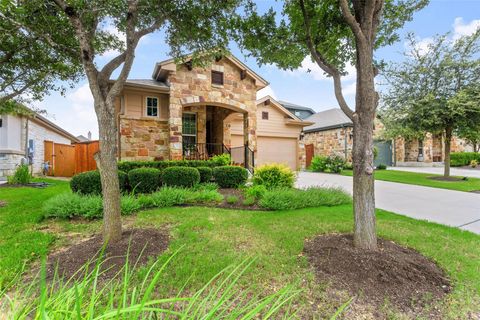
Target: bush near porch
{"points": [[126, 166]]}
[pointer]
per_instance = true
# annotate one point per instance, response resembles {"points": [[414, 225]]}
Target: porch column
{"points": [[250, 132], [175, 128]]}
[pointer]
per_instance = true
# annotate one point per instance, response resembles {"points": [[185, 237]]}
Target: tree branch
{"points": [[324, 65], [351, 21]]}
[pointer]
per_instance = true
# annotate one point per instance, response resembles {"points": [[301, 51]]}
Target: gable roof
{"points": [[290, 105], [328, 119], [164, 67], [293, 118], [52, 126]]}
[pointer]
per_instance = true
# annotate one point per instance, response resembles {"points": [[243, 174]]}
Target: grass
{"points": [[208, 240], [423, 179]]}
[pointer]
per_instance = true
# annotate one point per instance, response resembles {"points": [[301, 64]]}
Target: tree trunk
{"points": [[448, 142], [363, 180], [106, 160]]}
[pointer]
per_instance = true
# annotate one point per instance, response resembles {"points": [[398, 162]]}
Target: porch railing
{"points": [[243, 155], [203, 151]]}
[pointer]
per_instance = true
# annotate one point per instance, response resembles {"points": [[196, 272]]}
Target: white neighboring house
{"points": [[23, 137]]}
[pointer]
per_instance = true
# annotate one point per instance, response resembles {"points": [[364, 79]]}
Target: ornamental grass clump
{"points": [[126, 297], [287, 199], [21, 176]]}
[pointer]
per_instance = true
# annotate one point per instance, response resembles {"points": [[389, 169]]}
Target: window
{"points": [[217, 77], [152, 107], [420, 147], [264, 115], [189, 128]]}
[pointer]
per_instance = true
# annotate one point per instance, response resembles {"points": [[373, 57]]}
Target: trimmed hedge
{"points": [[161, 165], [89, 182], [206, 174], [144, 180], [180, 176], [230, 176], [458, 159]]}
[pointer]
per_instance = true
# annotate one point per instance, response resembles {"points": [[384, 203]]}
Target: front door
{"points": [[309, 152], [384, 153]]}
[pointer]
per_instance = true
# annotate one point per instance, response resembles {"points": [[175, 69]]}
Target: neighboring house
{"points": [[299, 111], [332, 133], [187, 112], [23, 137], [82, 138]]}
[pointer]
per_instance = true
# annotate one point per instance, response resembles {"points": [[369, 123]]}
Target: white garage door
{"points": [[278, 150]]}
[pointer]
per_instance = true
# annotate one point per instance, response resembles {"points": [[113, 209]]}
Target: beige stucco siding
{"points": [[275, 126], [135, 104]]}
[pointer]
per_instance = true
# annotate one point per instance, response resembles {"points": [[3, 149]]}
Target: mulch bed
{"points": [[452, 179], [400, 275], [239, 204], [29, 185], [141, 244]]}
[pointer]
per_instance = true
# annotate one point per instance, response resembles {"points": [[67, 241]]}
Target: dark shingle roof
{"points": [[328, 119], [290, 105]]}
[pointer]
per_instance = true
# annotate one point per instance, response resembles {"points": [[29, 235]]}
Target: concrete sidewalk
{"points": [[452, 208], [439, 170]]}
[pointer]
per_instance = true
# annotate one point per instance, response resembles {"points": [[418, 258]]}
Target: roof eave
{"points": [[336, 126]]}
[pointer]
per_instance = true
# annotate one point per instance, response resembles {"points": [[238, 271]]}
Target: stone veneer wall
{"points": [[194, 87], [331, 142], [143, 139]]}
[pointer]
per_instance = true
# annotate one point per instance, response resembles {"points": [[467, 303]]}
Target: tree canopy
{"points": [[429, 89]]}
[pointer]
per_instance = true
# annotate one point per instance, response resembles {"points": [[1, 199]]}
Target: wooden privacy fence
{"points": [[68, 160]]}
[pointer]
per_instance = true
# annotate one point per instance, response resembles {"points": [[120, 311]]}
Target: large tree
{"points": [[335, 33], [189, 25], [32, 62], [469, 129], [421, 89]]}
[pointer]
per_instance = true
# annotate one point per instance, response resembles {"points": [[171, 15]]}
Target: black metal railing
{"points": [[203, 151], [243, 156]]}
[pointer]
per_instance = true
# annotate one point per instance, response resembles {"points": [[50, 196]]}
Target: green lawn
{"points": [[209, 240], [423, 179]]}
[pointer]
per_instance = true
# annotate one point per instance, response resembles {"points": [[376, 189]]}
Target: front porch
{"points": [[206, 133]]}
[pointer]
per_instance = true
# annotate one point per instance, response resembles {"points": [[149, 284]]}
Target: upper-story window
{"points": [[264, 115], [152, 107], [217, 78]]}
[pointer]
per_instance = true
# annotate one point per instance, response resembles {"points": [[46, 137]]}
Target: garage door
{"points": [[278, 150]]}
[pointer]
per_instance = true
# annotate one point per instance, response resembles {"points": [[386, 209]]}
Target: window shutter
{"points": [[217, 77]]}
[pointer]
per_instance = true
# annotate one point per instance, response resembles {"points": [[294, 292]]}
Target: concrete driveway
{"points": [[452, 208]]}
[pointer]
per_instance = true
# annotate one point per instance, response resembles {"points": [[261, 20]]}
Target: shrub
{"points": [[348, 166], [230, 176], [21, 175], [129, 204], [249, 201], [274, 176], [161, 165], [331, 164], [381, 167], [458, 159], [255, 192], [144, 180], [223, 159], [69, 205], [180, 177], [206, 174], [285, 199], [473, 163], [232, 199], [89, 182]]}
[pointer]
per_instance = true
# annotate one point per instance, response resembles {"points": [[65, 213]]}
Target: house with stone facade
{"points": [[22, 140], [332, 133], [189, 112]]}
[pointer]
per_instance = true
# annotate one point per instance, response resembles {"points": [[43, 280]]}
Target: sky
{"points": [[74, 112]]}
